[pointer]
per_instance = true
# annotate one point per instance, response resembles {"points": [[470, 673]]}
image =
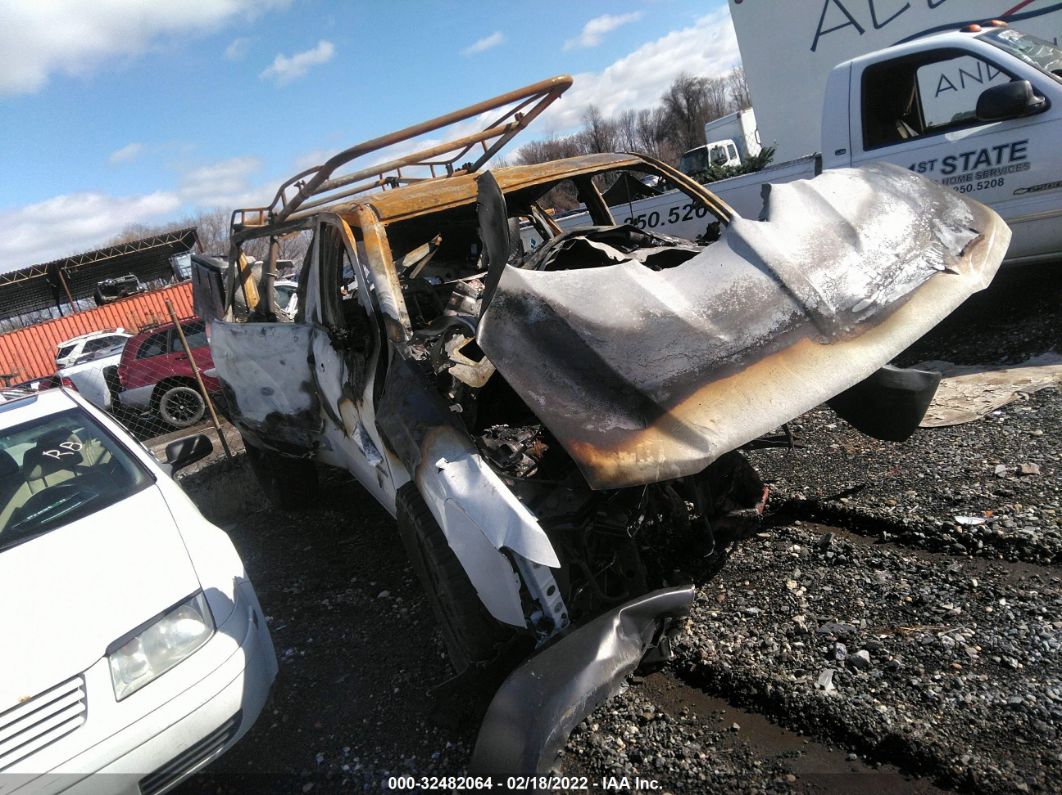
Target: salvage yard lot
{"points": [[865, 638]]}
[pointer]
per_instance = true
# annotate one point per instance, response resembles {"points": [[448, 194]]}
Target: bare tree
{"points": [[715, 99], [213, 229], [599, 133], [549, 149], [651, 130], [684, 102], [626, 126], [738, 86]]}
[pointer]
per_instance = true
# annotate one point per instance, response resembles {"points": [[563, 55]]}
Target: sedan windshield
{"points": [[57, 469]]}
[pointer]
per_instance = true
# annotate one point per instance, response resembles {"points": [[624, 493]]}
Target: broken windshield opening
{"points": [[567, 224]]}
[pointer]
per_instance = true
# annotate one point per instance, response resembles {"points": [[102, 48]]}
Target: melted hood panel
{"points": [[647, 375]]}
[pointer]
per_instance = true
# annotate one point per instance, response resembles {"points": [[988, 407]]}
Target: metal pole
{"points": [[198, 378], [269, 278], [66, 289]]}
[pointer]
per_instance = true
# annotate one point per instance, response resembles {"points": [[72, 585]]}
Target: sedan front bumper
{"points": [[191, 728]]}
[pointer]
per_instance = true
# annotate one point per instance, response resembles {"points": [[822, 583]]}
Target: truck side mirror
{"points": [[1009, 101]]}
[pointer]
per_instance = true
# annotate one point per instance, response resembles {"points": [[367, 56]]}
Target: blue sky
{"points": [[131, 111]]}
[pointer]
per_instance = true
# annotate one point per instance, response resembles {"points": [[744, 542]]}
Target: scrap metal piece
{"points": [[536, 708], [648, 375]]}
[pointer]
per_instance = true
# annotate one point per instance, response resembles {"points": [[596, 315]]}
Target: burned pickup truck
{"points": [[544, 411]]}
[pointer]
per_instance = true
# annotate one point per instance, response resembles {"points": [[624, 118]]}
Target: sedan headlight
{"points": [[158, 646]]}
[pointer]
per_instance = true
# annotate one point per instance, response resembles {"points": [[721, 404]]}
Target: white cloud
{"points": [[238, 49], [314, 157], [594, 30], [286, 68], [39, 39], [708, 47], [486, 43], [226, 183], [76, 222], [126, 154]]}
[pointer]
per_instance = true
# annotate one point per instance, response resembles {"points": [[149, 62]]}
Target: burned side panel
{"points": [[645, 375], [266, 375], [478, 514]]}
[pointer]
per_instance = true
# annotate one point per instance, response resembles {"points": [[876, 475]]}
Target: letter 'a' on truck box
{"points": [[788, 49]]}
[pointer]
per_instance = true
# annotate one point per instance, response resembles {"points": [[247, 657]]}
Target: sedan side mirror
{"points": [[188, 450], [1009, 101]]}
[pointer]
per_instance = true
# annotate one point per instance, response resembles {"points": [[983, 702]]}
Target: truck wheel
{"points": [[469, 631], [290, 484], [181, 405]]}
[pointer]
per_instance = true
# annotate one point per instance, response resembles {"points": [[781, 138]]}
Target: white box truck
{"points": [[730, 141], [739, 127]]}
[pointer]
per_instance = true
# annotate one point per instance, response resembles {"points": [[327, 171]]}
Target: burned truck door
{"points": [[345, 345], [274, 406]]}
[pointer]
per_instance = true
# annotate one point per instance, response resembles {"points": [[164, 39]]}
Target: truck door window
{"points": [[924, 95], [339, 283], [890, 104], [949, 89]]}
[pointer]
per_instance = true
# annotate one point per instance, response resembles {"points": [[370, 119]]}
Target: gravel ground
{"points": [[947, 668], [357, 697], [1000, 474], [961, 489], [866, 639]]}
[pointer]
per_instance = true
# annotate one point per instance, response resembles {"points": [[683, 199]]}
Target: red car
{"points": [[155, 375]]}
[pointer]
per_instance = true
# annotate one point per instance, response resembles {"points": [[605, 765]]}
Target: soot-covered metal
{"points": [[646, 374]]}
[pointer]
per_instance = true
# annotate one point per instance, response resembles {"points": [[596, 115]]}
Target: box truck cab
{"points": [[978, 110], [714, 154]]}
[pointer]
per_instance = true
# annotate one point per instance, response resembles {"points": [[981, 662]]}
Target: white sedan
{"points": [[133, 643]]}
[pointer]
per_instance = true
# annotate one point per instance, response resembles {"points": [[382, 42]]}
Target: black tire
{"points": [[472, 636], [179, 404], [290, 484]]}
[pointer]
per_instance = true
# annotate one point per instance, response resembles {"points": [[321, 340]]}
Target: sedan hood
{"points": [[645, 375], [66, 595]]}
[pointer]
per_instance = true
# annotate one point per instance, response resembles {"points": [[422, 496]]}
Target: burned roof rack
{"points": [[317, 183]]}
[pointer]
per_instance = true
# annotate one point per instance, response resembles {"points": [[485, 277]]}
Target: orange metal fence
{"points": [[30, 352]]}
